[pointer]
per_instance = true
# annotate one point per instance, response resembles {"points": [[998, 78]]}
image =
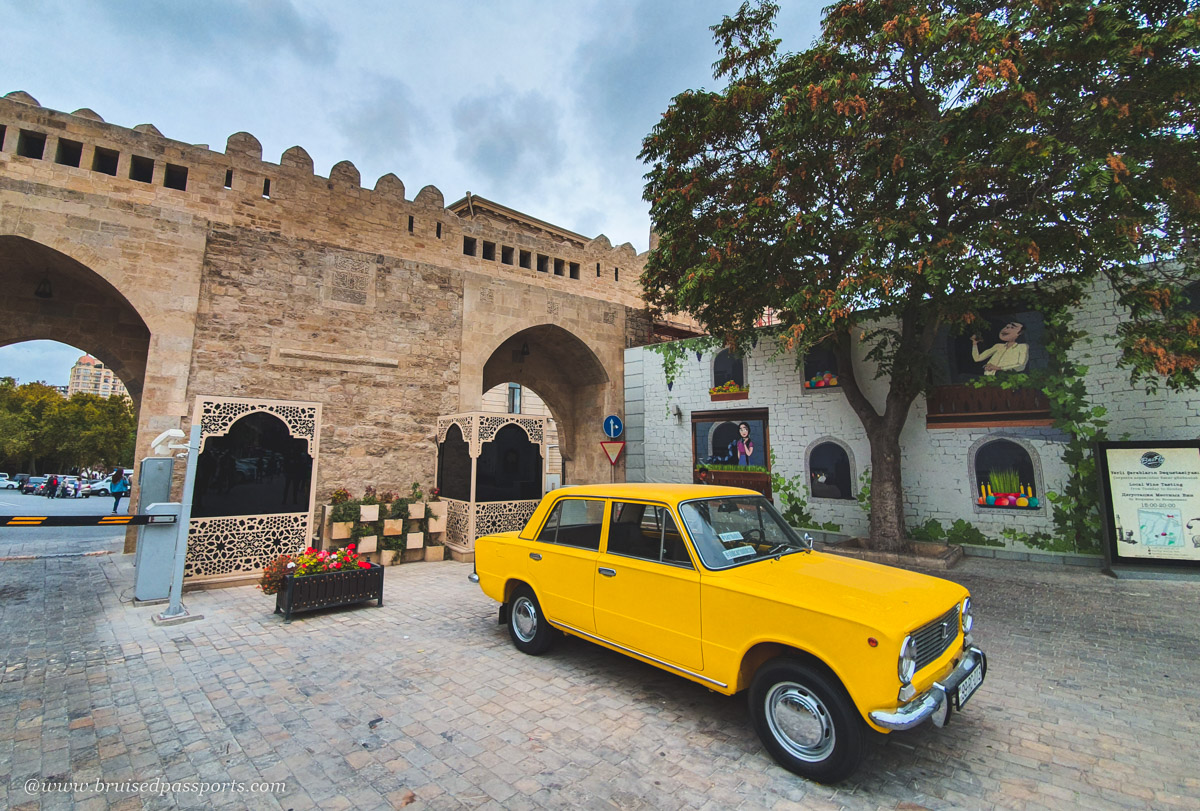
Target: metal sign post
{"points": [[176, 613]]}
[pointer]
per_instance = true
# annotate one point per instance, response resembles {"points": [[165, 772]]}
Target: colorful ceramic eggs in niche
{"points": [[1033, 501], [1022, 502], [991, 501]]}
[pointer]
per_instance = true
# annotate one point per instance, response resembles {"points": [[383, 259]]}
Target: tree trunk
{"points": [[887, 528], [887, 531]]}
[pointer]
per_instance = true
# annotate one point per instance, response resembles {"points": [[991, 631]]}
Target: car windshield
{"points": [[733, 530]]}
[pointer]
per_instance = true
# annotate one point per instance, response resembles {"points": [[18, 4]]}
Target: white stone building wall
{"points": [[939, 480]]}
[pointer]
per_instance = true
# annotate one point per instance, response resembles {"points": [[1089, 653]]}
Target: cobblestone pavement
{"points": [[1089, 703]]}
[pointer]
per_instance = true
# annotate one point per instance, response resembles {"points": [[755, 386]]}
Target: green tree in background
{"points": [[914, 164], [40, 430]]}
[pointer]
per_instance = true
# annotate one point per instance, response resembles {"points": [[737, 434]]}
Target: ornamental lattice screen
{"points": [[255, 484], [490, 472]]}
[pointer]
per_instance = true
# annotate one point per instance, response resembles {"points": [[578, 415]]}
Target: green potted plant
{"points": [[343, 515], [416, 502]]}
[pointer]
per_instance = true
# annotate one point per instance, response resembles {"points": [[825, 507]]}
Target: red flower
{"points": [[337, 564], [362, 564], [350, 546]]}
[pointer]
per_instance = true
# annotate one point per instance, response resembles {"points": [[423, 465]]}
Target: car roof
{"points": [[656, 491]]}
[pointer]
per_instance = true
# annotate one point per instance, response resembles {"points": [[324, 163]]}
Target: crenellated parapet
{"points": [[84, 154]]}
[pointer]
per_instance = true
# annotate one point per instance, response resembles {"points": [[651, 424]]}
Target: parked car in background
{"points": [[7, 483], [33, 485], [95, 487], [711, 584]]}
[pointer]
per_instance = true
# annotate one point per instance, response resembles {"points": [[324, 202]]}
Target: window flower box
{"points": [[329, 589], [729, 391]]}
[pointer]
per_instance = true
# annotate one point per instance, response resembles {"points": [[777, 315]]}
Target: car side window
{"points": [[647, 532], [574, 522]]}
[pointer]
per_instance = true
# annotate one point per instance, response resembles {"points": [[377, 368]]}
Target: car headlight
{"points": [[908, 661], [968, 621]]}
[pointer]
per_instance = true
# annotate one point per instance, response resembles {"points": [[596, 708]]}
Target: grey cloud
{"points": [[249, 27], [503, 135], [627, 74], [383, 122]]}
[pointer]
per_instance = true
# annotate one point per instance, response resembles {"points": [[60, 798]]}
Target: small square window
{"points": [[31, 145], [489, 251], [141, 169], [543, 263], [175, 177], [558, 267], [574, 268], [104, 161], [526, 259], [69, 153], [506, 255], [468, 246]]}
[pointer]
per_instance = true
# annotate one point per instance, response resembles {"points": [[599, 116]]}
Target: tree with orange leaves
{"points": [[917, 162]]}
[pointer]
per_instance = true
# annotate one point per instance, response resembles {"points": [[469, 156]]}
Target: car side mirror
{"points": [[808, 541]]}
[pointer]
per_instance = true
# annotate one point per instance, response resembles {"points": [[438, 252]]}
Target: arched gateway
{"points": [[199, 274]]}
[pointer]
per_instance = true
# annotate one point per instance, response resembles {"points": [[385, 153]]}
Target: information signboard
{"points": [[1151, 502]]}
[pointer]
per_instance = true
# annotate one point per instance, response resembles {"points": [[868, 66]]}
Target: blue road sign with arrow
{"points": [[613, 427]]}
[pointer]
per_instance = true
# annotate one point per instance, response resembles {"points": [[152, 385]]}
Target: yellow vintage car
{"points": [[710, 583]]}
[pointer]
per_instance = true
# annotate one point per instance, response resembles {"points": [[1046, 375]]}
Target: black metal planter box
{"points": [[329, 589]]}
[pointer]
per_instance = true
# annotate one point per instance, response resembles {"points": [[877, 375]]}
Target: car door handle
{"points": [[535, 556], [608, 572]]}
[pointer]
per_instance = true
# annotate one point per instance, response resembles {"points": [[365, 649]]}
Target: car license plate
{"points": [[968, 686]]}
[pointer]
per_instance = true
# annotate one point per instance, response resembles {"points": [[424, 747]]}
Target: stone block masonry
{"points": [[192, 272]]}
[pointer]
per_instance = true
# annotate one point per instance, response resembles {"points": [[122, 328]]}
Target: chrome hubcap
{"points": [[524, 619], [800, 721]]}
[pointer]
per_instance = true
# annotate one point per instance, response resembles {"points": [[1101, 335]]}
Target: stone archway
{"points": [[572, 381], [50, 296]]}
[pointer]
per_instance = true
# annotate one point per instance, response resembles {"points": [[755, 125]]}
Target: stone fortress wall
{"points": [[196, 272]]}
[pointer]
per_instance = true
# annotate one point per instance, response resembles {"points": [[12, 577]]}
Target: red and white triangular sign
{"points": [[613, 450]]}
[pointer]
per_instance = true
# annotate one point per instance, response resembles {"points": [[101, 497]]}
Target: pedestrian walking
{"points": [[118, 485], [50, 488]]}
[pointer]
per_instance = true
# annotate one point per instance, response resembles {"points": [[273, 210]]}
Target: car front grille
{"points": [[933, 640]]}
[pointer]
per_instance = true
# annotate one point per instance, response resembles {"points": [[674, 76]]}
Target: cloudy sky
{"points": [[541, 106]]}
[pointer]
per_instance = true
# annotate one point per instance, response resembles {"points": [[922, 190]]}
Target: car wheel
{"points": [[528, 628], [806, 721]]}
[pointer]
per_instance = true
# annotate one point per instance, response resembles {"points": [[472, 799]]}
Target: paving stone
{"points": [[1082, 706]]}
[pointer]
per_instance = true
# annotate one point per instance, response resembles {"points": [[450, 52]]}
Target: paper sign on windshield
{"points": [[726, 537], [738, 552]]}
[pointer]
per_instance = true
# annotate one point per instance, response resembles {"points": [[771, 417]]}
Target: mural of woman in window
{"points": [[739, 451], [1010, 355]]}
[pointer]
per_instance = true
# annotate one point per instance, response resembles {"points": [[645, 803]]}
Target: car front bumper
{"points": [[920, 709]]}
